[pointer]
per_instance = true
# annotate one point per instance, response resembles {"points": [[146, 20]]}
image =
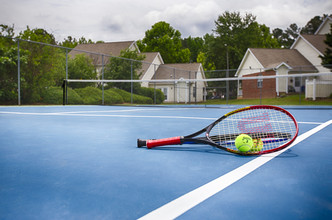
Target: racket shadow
{"points": [[197, 149], [213, 150]]}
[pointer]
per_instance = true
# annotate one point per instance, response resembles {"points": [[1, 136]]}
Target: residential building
{"points": [[175, 85], [302, 58]]}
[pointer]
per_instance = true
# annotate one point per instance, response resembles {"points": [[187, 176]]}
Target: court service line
{"points": [[121, 116], [71, 112], [184, 203]]}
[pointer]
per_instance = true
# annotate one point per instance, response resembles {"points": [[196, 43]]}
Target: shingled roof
{"points": [[317, 41], [177, 70], [148, 60], [272, 58], [111, 48]]}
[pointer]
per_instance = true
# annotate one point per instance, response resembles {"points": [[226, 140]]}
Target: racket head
{"points": [[273, 126]]}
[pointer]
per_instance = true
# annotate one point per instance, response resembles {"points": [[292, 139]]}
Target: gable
{"points": [[324, 28], [249, 64], [310, 52], [261, 59], [151, 60], [310, 44], [178, 71]]}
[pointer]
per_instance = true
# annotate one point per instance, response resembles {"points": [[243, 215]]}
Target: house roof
{"points": [[178, 70], [150, 57], [316, 41], [271, 58], [111, 48]]}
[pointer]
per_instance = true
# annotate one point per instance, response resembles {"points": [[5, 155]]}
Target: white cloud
{"points": [[190, 19], [116, 20]]}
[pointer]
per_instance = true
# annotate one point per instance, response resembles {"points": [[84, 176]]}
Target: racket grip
{"points": [[159, 142]]}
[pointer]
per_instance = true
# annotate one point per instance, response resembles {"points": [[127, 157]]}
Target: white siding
{"points": [[312, 55], [282, 83], [325, 28], [250, 65], [151, 70]]}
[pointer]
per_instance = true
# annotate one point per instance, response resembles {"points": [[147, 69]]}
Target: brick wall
{"points": [[251, 91]]}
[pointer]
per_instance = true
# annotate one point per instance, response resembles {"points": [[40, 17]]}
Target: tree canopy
{"points": [[234, 34], [124, 69], [163, 38], [327, 58]]}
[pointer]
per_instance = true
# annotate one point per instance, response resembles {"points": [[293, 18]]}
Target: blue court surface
{"points": [[82, 162]]}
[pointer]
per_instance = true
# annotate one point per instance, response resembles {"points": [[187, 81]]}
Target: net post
{"points": [[64, 92]]}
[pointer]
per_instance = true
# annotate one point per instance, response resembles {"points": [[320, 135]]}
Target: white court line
{"points": [[64, 113], [182, 204], [121, 116]]}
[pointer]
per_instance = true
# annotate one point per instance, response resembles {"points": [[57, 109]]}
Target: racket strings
{"points": [[274, 128]]}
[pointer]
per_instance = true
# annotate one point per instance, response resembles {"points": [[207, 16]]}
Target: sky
{"points": [[127, 20]]}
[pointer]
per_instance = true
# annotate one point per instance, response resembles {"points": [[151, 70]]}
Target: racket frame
{"points": [[193, 139]]}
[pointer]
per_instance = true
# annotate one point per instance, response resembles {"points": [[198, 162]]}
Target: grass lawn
{"points": [[288, 100]]}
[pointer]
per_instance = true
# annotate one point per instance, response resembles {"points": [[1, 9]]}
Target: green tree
{"points": [[124, 69], [69, 42], [8, 65], [327, 58], [195, 46], [312, 25], [163, 38], [234, 35], [283, 38], [81, 67], [44, 66]]}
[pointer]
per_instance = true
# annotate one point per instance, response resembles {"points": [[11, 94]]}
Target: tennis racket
{"points": [[273, 126]]}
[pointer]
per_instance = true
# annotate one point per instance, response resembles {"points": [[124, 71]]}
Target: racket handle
{"points": [[159, 142]]}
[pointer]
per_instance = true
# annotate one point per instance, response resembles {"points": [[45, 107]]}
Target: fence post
{"points": [[314, 89], [131, 83], [189, 87], [174, 86], [18, 73], [65, 92], [261, 87], [102, 77], [227, 75], [300, 91], [195, 88]]}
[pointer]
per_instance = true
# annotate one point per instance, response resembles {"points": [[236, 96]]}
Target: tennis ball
{"points": [[243, 142], [257, 145]]}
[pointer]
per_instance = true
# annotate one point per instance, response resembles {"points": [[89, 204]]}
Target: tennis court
{"points": [[82, 162]]}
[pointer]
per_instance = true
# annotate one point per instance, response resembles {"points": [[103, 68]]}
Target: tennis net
{"points": [[254, 89]]}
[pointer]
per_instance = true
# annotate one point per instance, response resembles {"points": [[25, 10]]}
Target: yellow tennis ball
{"points": [[257, 145], [243, 142]]}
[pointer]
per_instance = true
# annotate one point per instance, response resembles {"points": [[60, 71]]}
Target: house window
{"points": [[165, 91]]}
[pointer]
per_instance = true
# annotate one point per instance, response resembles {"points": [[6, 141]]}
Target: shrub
{"points": [[90, 95], [54, 96], [138, 99], [149, 92], [93, 96], [111, 97], [73, 97]]}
